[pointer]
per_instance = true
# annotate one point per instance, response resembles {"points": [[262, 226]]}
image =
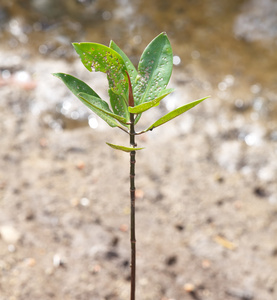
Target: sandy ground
{"points": [[206, 201]]}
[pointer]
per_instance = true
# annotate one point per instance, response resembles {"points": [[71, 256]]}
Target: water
{"points": [[224, 48]]}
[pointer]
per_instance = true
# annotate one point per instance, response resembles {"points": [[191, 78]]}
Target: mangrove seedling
{"points": [[132, 92]]}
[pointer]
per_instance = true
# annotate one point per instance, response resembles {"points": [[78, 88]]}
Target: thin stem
{"points": [[132, 193], [141, 132], [132, 216]]}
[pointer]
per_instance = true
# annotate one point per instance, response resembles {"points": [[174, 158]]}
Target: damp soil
{"points": [[206, 203]]}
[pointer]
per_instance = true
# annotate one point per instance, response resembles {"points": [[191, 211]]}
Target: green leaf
{"points": [[154, 69], [123, 148], [99, 104], [104, 59], [119, 105], [76, 86], [130, 67], [131, 71], [175, 113], [147, 105]]}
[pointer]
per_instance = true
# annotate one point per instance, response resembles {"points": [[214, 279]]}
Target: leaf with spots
{"points": [[154, 69], [119, 105], [129, 65], [104, 59]]}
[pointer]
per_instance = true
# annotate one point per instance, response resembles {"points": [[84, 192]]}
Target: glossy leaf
{"points": [[154, 69], [123, 148], [102, 106], [104, 59], [129, 65], [130, 69], [77, 86], [119, 105], [175, 113], [147, 105]]}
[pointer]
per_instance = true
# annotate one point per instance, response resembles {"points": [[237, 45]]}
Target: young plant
{"points": [[131, 92]]}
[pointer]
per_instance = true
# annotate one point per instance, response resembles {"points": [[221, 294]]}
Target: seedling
{"points": [[132, 92]]}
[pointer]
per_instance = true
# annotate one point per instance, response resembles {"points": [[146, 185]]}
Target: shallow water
{"points": [[226, 48]]}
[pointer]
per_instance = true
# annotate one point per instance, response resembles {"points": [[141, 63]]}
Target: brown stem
{"points": [[132, 194], [132, 215]]}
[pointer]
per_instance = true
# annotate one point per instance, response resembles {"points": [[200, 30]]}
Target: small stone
{"points": [[96, 269], [139, 194], [30, 262], [11, 248], [189, 287], [85, 202], [171, 260], [240, 294], [80, 165], [9, 234], [260, 192], [238, 204], [29, 215], [219, 178], [75, 202], [206, 264], [49, 271], [43, 142], [179, 227], [111, 255], [57, 261], [123, 227]]}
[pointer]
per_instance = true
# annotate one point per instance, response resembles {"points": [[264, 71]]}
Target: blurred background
{"points": [[225, 47], [51, 180]]}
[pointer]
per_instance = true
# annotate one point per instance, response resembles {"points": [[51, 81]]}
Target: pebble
{"points": [[123, 227], [58, 261], [85, 202], [189, 287], [30, 262], [9, 234], [11, 248], [80, 165], [240, 294]]}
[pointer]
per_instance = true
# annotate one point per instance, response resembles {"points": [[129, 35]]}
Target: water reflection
{"points": [[176, 60], [214, 42], [93, 122]]}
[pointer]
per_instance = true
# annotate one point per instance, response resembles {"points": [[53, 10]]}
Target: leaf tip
{"points": [[207, 97], [58, 75]]}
